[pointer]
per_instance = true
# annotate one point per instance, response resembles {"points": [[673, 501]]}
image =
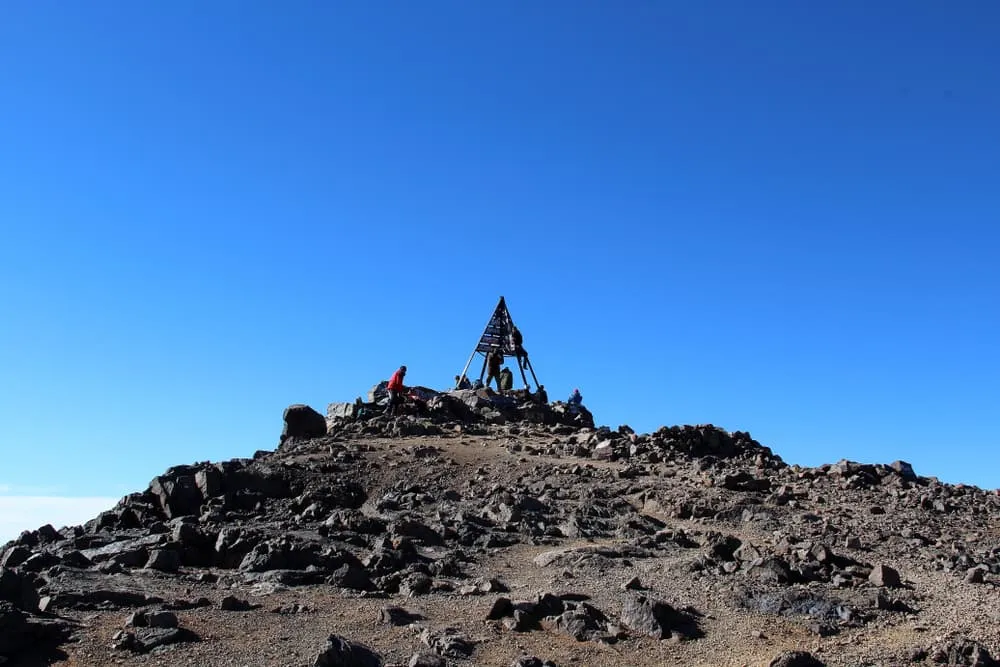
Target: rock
{"points": [[233, 603], [177, 492], [904, 469], [14, 556], [302, 422], [962, 651], [633, 584], [722, 547], [744, 481], [426, 659], [501, 607], [20, 631], [415, 584], [772, 569], [974, 575], [351, 576], [657, 619], [340, 411], [795, 659], [144, 640], [397, 616], [604, 450], [76, 559], [883, 575], [164, 560], [340, 652], [532, 661], [160, 619], [448, 643]]}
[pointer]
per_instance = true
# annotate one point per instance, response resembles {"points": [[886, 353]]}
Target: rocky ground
{"points": [[485, 531]]}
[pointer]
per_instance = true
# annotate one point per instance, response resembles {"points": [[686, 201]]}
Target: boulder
{"points": [[883, 575], [340, 652], [795, 659], [177, 493], [658, 619], [164, 560], [302, 423]]}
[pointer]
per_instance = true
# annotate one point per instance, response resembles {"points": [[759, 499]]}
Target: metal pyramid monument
{"points": [[500, 334]]}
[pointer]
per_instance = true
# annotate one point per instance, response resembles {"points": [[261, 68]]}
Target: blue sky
{"points": [[778, 217]]}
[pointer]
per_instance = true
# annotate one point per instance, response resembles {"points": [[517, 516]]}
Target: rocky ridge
{"points": [[480, 529]]}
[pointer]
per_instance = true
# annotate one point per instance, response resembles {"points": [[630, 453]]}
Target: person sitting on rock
{"points": [[494, 360], [396, 389], [575, 399], [506, 379], [462, 382]]}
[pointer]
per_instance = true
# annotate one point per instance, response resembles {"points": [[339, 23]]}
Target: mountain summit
{"points": [[486, 529]]}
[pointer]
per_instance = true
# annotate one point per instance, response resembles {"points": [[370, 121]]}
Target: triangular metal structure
{"points": [[499, 332]]}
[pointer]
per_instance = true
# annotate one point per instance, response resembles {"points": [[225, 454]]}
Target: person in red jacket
{"points": [[396, 389]]}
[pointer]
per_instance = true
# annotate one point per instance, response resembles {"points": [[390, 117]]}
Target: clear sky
{"points": [[780, 217]]}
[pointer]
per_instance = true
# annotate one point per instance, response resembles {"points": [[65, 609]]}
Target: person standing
{"points": [[506, 379], [396, 389], [494, 360], [518, 340]]}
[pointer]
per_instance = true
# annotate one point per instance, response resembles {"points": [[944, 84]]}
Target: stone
{"points": [[340, 652], [415, 584], [233, 603], [448, 643], [144, 640], [351, 576], [501, 608], [177, 493], [531, 661], [904, 469], [883, 575], [772, 569], [657, 619], [340, 411], [397, 616], [604, 450], [633, 584], [795, 659], [164, 560], [14, 556], [426, 659], [745, 482], [161, 619], [974, 575], [302, 422]]}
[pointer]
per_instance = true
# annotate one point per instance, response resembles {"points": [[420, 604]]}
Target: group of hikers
{"points": [[495, 370], [398, 391]]}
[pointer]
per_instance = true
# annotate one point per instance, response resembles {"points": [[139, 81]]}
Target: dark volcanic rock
{"points": [[883, 575], [301, 421], [658, 619], [340, 652], [397, 616], [144, 640], [20, 631], [795, 659], [448, 642]]}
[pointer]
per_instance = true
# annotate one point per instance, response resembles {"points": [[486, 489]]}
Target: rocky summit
{"points": [[477, 529]]}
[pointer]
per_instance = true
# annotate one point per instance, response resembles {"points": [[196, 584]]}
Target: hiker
{"points": [[575, 398], [396, 389], [494, 360], [541, 395], [462, 382], [518, 340], [506, 379]]}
